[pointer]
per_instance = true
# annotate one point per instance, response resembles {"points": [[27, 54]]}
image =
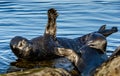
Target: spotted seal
{"points": [[38, 48], [92, 54]]}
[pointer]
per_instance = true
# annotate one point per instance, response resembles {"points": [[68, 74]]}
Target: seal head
{"points": [[97, 41], [21, 47]]}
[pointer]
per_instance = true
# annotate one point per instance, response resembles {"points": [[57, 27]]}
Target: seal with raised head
{"points": [[42, 47], [92, 54]]}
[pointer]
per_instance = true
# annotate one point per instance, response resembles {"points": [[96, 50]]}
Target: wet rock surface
{"points": [[111, 67], [41, 72], [63, 63]]}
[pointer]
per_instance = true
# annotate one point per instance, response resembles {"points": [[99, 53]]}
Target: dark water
{"points": [[28, 18]]}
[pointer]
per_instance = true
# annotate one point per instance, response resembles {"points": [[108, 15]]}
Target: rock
{"points": [[23, 65], [40, 72], [111, 67]]}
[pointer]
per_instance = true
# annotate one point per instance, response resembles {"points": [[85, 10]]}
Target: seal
{"points": [[76, 43], [42, 47], [38, 48], [92, 54]]}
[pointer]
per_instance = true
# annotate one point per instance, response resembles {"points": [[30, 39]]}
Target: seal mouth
{"points": [[22, 52], [91, 44]]}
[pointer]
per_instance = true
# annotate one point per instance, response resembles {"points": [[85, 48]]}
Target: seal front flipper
{"points": [[51, 25], [38, 48], [73, 57], [50, 30], [49, 38]]}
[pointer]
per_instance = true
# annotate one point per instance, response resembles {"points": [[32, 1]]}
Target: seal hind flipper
{"points": [[107, 32], [51, 25], [102, 28], [114, 29]]}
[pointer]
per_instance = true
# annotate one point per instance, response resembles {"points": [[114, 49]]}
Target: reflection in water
{"points": [[28, 19]]}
